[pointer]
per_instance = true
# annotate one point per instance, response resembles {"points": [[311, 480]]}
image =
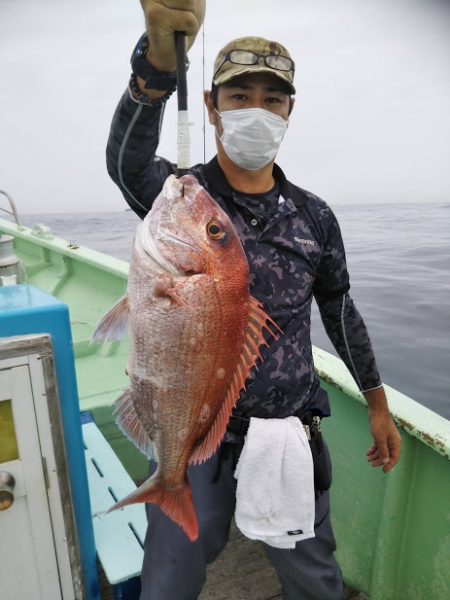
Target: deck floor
{"points": [[242, 572]]}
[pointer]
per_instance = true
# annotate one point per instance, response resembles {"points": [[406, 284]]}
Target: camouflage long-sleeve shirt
{"points": [[294, 249]]}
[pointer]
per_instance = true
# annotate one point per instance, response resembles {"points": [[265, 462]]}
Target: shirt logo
{"points": [[295, 532], [304, 242]]}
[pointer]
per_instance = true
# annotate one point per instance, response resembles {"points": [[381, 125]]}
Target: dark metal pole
{"points": [[180, 48]]}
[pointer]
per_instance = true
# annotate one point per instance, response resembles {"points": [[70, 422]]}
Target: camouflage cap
{"points": [[271, 57]]}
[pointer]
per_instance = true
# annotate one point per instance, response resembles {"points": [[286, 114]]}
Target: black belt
{"points": [[310, 421]]}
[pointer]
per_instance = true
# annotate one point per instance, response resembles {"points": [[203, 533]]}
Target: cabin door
{"points": [[33, 562]]}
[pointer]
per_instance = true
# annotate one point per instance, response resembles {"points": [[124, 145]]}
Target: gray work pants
{"points": [[175, 569]]}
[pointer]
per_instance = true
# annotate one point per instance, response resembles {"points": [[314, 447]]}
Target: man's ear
{"points": [[209, 106], [291, 104]]}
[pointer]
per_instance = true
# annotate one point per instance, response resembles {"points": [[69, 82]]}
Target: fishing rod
{"points": [[183, 138]]}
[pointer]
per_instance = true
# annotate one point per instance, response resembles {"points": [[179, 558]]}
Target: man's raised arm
{"points": [[134, 136]]}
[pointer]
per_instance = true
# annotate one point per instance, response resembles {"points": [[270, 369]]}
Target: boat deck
{"points": [[242, 572]]}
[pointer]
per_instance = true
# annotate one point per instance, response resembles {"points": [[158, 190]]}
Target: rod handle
{"points": [[183, 137]]}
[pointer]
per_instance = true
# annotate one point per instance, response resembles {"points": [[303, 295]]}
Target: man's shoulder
{"points": [[300, 197], [315, 206], [314, 210]]}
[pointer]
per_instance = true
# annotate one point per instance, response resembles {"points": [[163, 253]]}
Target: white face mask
{"points": [[251, 136]]}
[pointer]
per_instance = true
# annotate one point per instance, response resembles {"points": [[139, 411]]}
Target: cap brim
{"points": [[230, 74]]}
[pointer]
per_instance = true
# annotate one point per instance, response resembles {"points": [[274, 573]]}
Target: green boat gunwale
{"points": [[112, 265], [416, 419]]}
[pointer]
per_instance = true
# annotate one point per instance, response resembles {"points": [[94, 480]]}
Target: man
{"points": [[295, 251]]}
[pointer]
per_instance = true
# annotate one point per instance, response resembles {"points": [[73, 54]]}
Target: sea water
{"points": [[399, 263]]}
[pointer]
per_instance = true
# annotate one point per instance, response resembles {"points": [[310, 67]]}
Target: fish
{"points": [[195, 334]]}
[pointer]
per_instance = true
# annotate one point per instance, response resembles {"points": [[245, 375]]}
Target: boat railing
{"points": [[13, 210]]}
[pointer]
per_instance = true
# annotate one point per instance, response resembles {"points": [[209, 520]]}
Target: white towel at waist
{"points": [[275, 483]]}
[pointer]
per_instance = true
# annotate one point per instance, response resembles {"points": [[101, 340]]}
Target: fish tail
{"points": [[177, 504]]}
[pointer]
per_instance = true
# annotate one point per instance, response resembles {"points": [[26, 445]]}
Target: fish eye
{"points": [[215, 231]]}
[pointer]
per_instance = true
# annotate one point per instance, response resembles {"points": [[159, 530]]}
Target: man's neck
{"points": [[242, 180]]}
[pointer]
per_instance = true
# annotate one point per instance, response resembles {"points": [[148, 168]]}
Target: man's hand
{"points": [[163, 18], [385, 450]]}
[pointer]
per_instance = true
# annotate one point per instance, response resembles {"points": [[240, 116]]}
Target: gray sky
{"points": [[371, 122]]}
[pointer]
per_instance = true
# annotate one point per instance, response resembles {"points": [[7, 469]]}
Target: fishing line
{"points": [[203, 89]]}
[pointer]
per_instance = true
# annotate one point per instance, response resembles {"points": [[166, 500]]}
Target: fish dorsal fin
{"points": [[130, 424], [113, 325], [257, 322]]}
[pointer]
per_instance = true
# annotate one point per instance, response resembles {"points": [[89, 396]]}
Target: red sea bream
{"points": [[194, 336]]}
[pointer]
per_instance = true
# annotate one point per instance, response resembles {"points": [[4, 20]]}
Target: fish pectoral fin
{"points": [[130, 424], [177, 503], [257, 323], [113, 325]]}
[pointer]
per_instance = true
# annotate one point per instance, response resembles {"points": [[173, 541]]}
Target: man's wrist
{"points": [[162, 65], [376, 400], [152, 80]]}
